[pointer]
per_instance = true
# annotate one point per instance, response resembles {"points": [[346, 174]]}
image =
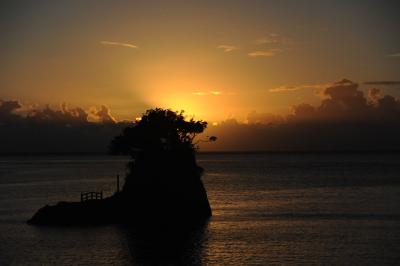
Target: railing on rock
{"points": [[85, 196]]}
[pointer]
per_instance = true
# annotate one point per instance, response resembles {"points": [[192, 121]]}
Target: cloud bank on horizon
{"points": [[48, 130], [345, 119]]}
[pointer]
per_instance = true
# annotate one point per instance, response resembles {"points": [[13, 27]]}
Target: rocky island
{"points": [[163, 183]]}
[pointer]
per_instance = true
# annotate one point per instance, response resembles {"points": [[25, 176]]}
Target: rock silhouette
{"points": [[163, 183]]}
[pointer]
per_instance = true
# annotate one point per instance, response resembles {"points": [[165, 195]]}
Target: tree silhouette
{"points": [[162, 147], [159, 130]]}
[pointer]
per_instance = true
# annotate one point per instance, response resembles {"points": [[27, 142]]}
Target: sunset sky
{"points": [[214, 59]]}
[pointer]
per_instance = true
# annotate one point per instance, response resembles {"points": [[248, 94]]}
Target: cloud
{"points": [[345, 119], [8, 107], [202, 93], [227, 48], [119, 44], [345, 102], [199, 93], [56, 130], [273, 39], [7, 110], [264, 53], [275, 44], [374, 94], [382, 82], [394, 55], [286, 88], [102, 115], [264, 118], [298, 87], [64, 116], [265, 40]]}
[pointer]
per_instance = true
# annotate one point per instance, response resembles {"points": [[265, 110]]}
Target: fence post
{"points": [[118, 183]]}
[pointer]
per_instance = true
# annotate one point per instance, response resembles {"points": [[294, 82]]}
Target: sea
{"points": [[268, 209]]}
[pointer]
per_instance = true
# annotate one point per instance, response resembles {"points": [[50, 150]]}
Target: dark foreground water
{"points": [[269, 209]]}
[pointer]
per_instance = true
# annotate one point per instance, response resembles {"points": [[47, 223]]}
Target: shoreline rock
{"points": [[186, 204]]}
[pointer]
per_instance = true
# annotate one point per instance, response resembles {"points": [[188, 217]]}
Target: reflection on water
{"points": [[271, 209], [109, 245], [166, 245]]}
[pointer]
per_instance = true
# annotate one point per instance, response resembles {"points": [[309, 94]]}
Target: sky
{"points": [[266, 75], [214, 59]]}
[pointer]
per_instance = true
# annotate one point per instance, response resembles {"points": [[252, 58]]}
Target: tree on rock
{"points": [[158, 130], [162, 146]]}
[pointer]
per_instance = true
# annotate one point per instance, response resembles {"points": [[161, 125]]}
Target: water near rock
{"points": [[268, 209]]}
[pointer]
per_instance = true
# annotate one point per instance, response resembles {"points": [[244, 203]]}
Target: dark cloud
{"points": [[7, 111], [345, 102], [345, 119], [385, 83], [64, 116], [264, 118], [303, 111], [62, 130]]}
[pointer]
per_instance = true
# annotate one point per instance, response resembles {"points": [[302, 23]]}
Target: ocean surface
{"points": [[268, 209]]}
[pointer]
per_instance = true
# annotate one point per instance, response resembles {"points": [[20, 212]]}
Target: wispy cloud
{"points": [[227, 48], [264, 53], [204, 93], [285, 89], [394, 55], [273, 38], [300, 87], [383, 82], [119, 44], [264, 40]]}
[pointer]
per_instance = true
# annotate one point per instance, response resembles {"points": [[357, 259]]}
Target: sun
{"points": [[187, 103]]}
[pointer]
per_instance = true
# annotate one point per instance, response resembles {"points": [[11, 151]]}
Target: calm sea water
{"points": [[269, 209]]}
